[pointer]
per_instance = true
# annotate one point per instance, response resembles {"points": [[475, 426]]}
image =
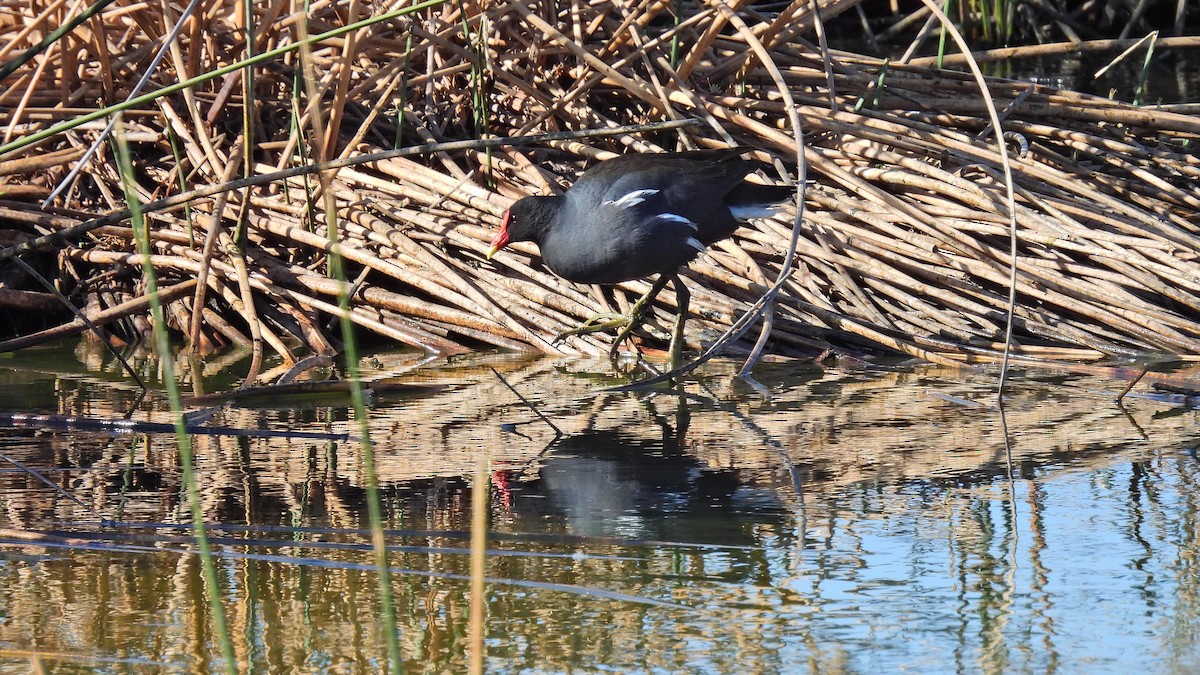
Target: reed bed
{"points": [[903, 247]]}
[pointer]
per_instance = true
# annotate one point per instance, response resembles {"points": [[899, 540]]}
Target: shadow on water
{"points": [[664, 531]]}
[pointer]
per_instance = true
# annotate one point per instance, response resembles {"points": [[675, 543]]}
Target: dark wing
{"points": [[694, 186], [638, 215]]}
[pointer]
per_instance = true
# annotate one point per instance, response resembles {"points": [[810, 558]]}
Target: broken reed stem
{"points": [[135, 306]]}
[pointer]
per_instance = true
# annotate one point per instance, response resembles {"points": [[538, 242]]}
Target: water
{"points": [[851, 520]]}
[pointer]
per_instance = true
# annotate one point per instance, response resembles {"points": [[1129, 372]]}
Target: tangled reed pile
{"points": [[904, 244]]}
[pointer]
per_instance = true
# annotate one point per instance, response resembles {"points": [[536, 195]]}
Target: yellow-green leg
{"points": [[626, 322], [682, 299], [629, 322], [596, 324], [637, 310]]}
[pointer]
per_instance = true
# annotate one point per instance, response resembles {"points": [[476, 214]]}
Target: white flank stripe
{"points": [[752, 211], [632, 199], [676, 218], [696, 244]]}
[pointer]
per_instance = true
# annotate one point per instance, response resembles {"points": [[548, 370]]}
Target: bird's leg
{"points": [[636, 312], [626, 322], [682, 299], [596, 324]]}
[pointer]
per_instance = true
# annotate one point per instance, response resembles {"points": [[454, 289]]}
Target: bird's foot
{"points": [[596, 324], [625, 334], [624, 324]]}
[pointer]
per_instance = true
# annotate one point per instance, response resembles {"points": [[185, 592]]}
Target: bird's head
{"points": [[525, 220]]}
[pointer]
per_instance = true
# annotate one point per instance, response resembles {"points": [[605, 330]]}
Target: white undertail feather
{"points": [[747, 212], [632, 199], [696, 244]]}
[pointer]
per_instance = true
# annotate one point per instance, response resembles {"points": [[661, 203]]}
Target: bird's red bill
{"points": [[501, 238]]}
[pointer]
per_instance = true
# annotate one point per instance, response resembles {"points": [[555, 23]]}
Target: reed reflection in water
{"points": [[661, 534]]}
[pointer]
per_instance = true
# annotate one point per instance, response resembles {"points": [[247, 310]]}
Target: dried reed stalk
{"points": [[904, 245]]}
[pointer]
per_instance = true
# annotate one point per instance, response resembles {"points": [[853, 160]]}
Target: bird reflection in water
{"points": [[618, 483]]}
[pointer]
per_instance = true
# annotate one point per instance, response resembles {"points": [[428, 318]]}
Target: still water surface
{"points": [[857, 520]]}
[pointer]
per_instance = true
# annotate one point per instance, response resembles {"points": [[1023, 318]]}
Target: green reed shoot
{"points": [[163, 347], [941, 50], [173, 139], [337, 270], [1145, 74], [399, 142], [480, 93]]}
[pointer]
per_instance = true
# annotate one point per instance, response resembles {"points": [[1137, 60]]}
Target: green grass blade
{"points": [[186, 459]]}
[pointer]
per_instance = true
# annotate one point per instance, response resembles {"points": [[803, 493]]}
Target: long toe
{"points": [[597, 324], [625, 334]]}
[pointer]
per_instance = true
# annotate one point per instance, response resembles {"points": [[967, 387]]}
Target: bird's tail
{"points": [[750, 200]]}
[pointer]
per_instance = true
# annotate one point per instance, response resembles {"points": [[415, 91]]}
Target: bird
{"points": [[637, 215]]}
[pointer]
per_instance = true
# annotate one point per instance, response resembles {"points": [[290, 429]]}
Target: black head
{"points": [[526, 220]]}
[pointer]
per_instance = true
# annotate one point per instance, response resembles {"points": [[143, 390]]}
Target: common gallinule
{"points": [[637, 215]]}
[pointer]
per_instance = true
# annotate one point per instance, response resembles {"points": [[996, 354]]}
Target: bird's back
{"points": [[638, 215]]}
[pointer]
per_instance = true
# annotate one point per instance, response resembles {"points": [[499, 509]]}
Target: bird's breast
{"points": [[597, 251]]}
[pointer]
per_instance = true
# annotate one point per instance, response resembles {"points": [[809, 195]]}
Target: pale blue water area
{"points": [[857, 520]]}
